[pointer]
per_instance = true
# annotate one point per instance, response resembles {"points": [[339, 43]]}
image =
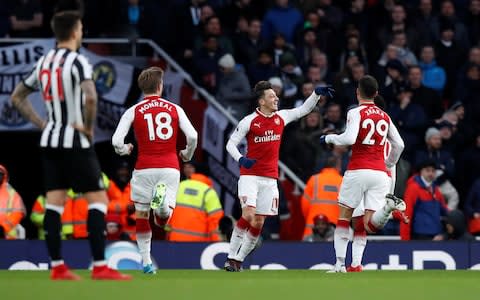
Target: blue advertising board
{"points": [[379, 255]]}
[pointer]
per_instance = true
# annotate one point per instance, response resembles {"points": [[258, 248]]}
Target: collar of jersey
{"points": [[151, 98], [368, 103], [264, 115]]}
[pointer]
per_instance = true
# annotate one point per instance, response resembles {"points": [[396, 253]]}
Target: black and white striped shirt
{"points": [[58, 76]]}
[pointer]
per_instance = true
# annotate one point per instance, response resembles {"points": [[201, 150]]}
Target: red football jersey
{"points": [[263, 144], [368, 151], [155, 126]]}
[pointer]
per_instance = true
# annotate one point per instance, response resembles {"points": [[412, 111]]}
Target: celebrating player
{"points": [[64, 78], [368, 129], [257, 185], [156, 176]]}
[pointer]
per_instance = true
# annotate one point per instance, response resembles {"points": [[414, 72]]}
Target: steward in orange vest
{"points": [[320, 195], [12, 210], [197, 213]]}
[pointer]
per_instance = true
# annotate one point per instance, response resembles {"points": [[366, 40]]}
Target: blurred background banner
{"points": [[380, 255], [112, 79]]}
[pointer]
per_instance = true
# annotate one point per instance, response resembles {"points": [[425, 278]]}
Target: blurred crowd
{"points": [[425, 55]]}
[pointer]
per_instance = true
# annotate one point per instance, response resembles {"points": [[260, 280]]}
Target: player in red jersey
{"points": [[257, 185], [156, 177], [366, 180]]}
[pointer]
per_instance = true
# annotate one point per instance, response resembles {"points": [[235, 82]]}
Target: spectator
{"points": [[405, 55], [456, 227], [233, 87], [206, 63], [448, 15], [333, 121], [398, 24], [12, 210], [469, 166], [410, 119], [450, 55], [306, 46], [424, 96], [263, 68], [281, 18], [249, 45], [320, 60], [353, 48], [425, 20], [320, 195], [302, 148], [322, 230], [120, 202], [26, 19], [236, 9], [277, 86], [434, 77], [468, 91], [292, 78], [472, 22], [280, 47], [213, 27], [394, 82], [358, 17], [425, 205], [197, 213], [473, 58], [307, 90], [472, 208], [346, 86], [114, 228]]}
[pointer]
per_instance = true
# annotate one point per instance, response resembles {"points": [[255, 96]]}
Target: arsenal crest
{"points": [[277, 121]]}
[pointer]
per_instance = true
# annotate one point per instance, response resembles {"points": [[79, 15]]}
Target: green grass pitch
{"points": [[248, 285]]}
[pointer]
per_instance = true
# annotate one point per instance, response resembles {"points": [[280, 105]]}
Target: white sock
{"points": [[249, 242], [380, 217], [56, 263], [358, 247], [236, 241], [340, 241], [144, 241]]}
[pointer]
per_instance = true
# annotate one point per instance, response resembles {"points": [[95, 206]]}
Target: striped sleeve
{"points": [[31, 80], [85, 71]]}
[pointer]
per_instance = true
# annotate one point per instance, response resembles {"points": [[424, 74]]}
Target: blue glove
{"points": [[322, 139], [325, 91], [246, 162]]}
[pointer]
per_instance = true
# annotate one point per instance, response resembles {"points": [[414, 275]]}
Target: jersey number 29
{"points": [[162, 127], [381, 128]]}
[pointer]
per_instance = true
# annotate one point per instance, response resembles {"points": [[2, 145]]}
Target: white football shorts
{"points": [[143, 185], [360, 209], [259, 192], [367, 186]]}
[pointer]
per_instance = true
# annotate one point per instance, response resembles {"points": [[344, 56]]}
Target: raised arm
{"points": [[349, 136], [118, 138], [289, 115], [190, 134]]}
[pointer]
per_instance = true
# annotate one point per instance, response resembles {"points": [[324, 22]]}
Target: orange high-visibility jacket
{"points": [[119, 200], [320, 197], [12, 210], [75, 214], [197, 213]]}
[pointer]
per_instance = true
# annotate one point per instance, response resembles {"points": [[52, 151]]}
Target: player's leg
{"points": [[359, 241], [247, 192], [350, 196], [55, 183], [87, 179], [144, 236], [165, 195], [250, 240]]}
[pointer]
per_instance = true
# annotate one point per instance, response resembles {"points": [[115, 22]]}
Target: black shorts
{"points": [[78, 169]]}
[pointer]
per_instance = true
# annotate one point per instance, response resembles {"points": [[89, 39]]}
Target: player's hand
{"points": [[325, 91], [183, 155], [88, 132], [246, 162], [322, 140], [125, 150]]}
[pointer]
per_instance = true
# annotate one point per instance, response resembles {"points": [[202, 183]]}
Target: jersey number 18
{"points": [[162, 128]]}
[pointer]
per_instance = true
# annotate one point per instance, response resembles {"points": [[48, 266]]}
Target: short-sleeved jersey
{"points": [[58, 76], [156, 127]]}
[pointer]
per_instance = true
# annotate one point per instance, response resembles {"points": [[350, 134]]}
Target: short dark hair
{"points": [[149, 80], [368, 86], [64, 23], [260, 87]]}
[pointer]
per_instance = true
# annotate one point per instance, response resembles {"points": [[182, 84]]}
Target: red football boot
{"points": [[105, 273], [400, 216], [358, 268], [61, 272]]}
